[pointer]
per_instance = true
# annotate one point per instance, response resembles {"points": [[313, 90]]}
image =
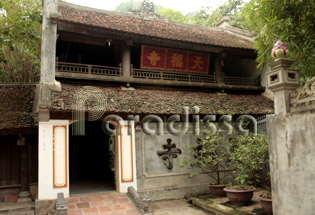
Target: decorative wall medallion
{"points": [[169, 153]]}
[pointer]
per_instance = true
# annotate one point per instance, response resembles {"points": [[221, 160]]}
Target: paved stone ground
{"points": [[105, 203], [223, 206], [113, 203], [176, 207]]}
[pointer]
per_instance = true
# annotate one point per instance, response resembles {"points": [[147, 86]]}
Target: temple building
{"points": [[127, 69]]}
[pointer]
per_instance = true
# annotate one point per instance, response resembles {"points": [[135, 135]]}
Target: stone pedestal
{"points": [[24, 196], [282, 80]]}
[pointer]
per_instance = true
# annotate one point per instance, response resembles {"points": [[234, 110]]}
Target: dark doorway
{"points": [[90, 160]]}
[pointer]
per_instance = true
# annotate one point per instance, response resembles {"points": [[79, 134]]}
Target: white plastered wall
{"points": [[46, 188], [126, 157]]}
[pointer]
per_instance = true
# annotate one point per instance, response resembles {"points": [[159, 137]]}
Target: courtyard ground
{"points": [[113, 203]]}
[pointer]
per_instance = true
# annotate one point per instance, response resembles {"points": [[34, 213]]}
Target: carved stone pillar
{"points": [[282, 81], [24, 195]]}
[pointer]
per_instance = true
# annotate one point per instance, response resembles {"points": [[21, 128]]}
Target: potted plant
{"points": [[248, 155], [266, 202], [210, 157]]}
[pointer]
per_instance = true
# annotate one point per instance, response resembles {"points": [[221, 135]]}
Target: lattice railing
{"points": [[153, 75], [241, 81], [146, 74], [172, 76], [88, 69]]}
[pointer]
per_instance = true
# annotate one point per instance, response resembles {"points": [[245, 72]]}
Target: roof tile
{"points": [[130, 24], [167, 101], [16, 106]]}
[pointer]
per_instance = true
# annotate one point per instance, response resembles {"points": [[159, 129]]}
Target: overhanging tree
{"points": [[292, 22], [232, 8], [20, 34], [174, 15]]}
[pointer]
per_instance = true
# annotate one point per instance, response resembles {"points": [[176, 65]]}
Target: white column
{"points": [[53, 162], [127, 157]]}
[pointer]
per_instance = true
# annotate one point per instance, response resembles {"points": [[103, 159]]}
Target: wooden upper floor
{"points": [[102, 45]]}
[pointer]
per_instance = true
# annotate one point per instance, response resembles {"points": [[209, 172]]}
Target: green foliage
{"points": [[171, 14], [174, 15], [291, 21], [124, 7], [232, 8], [266, 195], [210, 155], [20, 32], [248, 156], [111, 146]]}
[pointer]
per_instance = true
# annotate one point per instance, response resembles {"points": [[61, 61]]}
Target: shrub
{"points": [[248, 157]]}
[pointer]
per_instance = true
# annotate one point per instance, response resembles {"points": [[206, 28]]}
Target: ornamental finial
{"points": [[280, 50]]}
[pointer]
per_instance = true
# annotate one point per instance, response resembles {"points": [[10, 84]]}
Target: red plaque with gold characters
{"points": [[166, 59], [176, 60], [153, 57], [198, 62]]}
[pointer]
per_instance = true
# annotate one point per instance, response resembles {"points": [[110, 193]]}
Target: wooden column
{"points": [[126, 58], [24, 195], [218, 69]]}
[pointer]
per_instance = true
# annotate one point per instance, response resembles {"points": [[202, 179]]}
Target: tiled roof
{"points": [[130, 24], [16, 104], [167, 101]]}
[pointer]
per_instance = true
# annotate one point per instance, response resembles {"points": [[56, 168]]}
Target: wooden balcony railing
{"points": [[88, 69], [153, 75], [173, 76], [229, 80]]}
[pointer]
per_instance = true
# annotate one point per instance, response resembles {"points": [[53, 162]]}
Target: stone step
{"points": [[17, 212], [17, 208]]}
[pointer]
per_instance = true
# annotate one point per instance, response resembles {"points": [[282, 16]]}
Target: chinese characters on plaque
{"points": [[174, 60]]}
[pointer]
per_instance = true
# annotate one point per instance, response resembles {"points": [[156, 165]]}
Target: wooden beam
{"points": [[10, 131]]}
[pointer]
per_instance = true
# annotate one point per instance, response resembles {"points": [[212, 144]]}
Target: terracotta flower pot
{"points": [[217, 190], [266, 204], [239, 197]]}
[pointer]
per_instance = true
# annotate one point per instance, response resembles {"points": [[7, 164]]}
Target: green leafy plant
{"points": [[266, 195], [210, 16], [20, 37], [209, 156], [292, 22], [248, 157]]}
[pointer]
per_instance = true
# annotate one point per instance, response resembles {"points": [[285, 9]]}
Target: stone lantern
{"points": [[282, 80]]}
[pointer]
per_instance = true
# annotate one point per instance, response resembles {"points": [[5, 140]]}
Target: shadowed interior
{"points": [[89, 160]]}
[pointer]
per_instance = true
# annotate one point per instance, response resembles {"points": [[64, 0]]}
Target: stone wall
{"points": [[292, 159], [155, 179]]}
